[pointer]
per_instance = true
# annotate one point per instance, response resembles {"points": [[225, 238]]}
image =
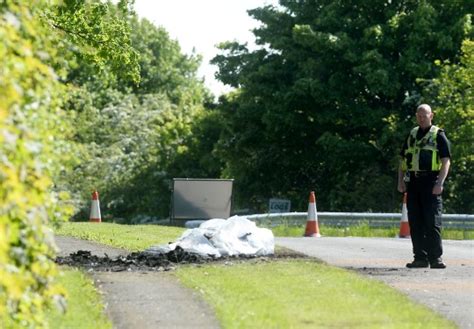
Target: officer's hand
{"points": [[402, 188], [437, 189]]}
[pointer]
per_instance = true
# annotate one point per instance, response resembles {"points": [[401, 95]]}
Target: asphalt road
{"points": [[448, 291]]}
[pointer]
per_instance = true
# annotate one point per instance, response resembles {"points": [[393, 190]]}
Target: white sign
{"points": [[279, 205]]}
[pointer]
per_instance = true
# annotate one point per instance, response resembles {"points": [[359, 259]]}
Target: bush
{"points": [[30, 128]]}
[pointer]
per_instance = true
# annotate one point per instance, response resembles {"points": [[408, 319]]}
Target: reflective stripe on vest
{"points": [[422, 155]]}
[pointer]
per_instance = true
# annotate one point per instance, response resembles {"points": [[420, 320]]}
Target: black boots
{"points": [[437, 263], [418, 264]]}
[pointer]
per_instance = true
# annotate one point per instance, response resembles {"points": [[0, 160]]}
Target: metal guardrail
{"points": [[343, 219]]}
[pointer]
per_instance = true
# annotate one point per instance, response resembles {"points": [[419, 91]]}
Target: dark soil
{"points": [[144, 261]]}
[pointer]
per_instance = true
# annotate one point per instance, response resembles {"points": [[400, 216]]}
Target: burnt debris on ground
{"points": [[143, 261]]}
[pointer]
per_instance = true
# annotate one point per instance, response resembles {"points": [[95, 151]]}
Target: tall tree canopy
{"points": [[452, 93], [129, 133], [328, 98]]}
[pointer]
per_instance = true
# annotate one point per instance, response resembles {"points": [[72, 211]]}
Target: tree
{"points": [[129, 134], [326, 101], [453, 100], [163, 67], [94, 39]]}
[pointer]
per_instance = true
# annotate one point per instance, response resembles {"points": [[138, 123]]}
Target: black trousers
{"points": [[424, 217]]}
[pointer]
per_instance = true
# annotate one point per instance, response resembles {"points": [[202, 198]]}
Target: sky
{"points": [[200, 25]]}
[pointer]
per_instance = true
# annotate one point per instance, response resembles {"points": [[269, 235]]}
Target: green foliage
{"points": [[129, 135], [453, 100], [127, 148], [41, 41], [163, 68], [198, 156], [31, 126], [327, 100], [94, 34], [135, 136]]}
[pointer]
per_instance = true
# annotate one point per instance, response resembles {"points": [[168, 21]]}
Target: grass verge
{"points": [[303, 294], [84, 307], [363, 230], [130, 237]]}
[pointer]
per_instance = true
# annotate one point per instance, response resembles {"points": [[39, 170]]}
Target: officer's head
{"points": [[424, 115]]}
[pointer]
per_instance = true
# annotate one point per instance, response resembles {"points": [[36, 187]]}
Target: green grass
{"points": [[84, 307], [303, 294], [130, 237], [362, 230], [453, 234]]}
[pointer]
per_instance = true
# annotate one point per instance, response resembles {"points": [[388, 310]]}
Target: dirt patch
{"points": [[377, 270], [145, 261]]}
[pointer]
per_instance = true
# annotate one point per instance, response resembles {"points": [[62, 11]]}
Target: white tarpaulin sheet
{"points": [[224, 237]]}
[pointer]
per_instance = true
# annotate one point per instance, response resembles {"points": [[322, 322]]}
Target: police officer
{"points": [[423, 170]]}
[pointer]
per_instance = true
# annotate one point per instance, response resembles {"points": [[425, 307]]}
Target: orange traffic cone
{"points": [[95, 208], [312, 228], [404, 226]]}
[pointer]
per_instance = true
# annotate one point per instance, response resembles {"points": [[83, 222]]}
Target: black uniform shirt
{"points": [[444, 148]]}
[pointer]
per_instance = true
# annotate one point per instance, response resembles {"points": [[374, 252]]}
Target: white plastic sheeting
{"points": [[224, 237]]}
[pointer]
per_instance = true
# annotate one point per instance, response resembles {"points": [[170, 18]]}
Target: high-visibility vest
{"points": [[422, 155]]}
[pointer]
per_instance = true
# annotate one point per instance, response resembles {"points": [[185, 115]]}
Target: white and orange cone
{"points": [[312, 228], [95, 208], [404, 226]]}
